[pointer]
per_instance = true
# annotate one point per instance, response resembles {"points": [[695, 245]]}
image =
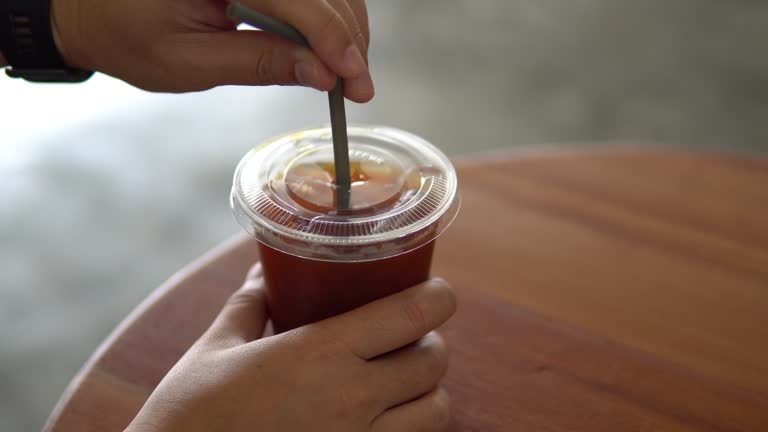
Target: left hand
{"points": [[374, 369]]}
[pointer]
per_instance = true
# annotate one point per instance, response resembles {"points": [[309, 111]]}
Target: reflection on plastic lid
{"points": [[404, 194]]}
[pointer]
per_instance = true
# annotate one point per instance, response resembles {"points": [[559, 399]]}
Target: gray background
{"points": [[105, 190]]}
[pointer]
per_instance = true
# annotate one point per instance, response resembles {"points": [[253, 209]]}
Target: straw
{"points": [[240, 13]]}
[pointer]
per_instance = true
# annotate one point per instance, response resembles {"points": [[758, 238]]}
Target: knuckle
{"points": [[318, 346], [243, 298], [326, 352], [377, 324], [361, 40], [333, 25], [263, 67], [351, 401], [415, 314]]}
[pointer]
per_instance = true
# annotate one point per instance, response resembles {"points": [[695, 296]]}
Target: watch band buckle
{"points": [[49, 75]]}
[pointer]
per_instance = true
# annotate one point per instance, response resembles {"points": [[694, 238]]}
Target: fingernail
{"points": [[353, 62], [255, 271], [360, 89], [437, 282], [307, 75], [369, 83]]}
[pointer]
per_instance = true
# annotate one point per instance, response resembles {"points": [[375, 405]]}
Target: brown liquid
{"points": [[374, 186], [302, 291]]}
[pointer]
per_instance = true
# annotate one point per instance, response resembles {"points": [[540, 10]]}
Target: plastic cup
{"points": [[320, 261]]}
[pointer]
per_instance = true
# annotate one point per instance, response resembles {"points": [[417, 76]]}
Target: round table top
{"points": [[599, 291]]}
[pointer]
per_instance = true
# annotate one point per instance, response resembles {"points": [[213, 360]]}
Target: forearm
{"points": [[2, 61]]}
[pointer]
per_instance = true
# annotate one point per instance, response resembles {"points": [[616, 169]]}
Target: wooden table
{"points": [[599, 291]]}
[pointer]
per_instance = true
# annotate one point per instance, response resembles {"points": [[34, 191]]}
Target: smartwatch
{"points": [[26, 41]]}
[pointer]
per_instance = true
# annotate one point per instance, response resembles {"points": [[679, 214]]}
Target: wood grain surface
{"points": [[599, 291]]}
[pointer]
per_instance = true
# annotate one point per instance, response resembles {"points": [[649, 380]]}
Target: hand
{"points": [[374, 369], [191, 45]]}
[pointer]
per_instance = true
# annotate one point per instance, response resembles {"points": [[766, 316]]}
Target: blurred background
{"points": [[106, 190]]}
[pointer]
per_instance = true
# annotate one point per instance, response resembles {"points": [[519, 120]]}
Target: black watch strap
{"points": [[26, 41]]}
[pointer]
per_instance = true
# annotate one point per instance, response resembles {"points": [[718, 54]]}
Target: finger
{"points": [[393, 322], [248, 58], [430, 413], [244, 316], [361, 12], [324, 28], [410, 372], [255, 272], [350, 18], [360, 89]]}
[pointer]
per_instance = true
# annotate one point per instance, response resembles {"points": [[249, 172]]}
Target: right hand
{"points": [[374, 369], [191, 45]]}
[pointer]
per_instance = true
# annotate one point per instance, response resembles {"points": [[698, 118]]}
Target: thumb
{"points": [[244, 316], [248, 57]]}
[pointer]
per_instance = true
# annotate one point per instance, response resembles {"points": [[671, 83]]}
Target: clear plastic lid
{"points": [[404, 194]]}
